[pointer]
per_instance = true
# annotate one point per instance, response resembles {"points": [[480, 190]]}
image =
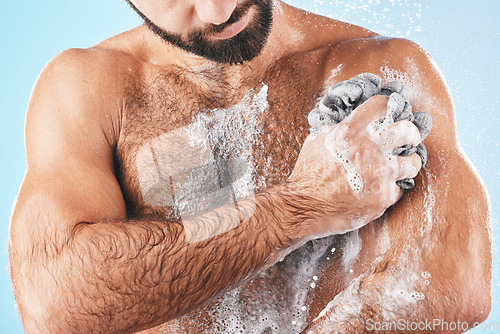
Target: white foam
{"points": [[190, 181], [383, 239], [402, 287], [381, 134], [396, 291], [331, 80], [338, 148], [333, 75], [235, 130], [351, 249], [429, 210], [235, 315], [417, 296], [407, 168], [410, 78], [343, 306]]}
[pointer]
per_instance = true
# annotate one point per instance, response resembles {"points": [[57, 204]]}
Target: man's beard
{"points": [[244, 46]]}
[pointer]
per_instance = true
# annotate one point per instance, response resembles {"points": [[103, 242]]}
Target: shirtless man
{"points": [[119, 228]]}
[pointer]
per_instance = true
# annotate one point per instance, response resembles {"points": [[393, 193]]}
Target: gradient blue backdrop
{"points": [[462, 36]]}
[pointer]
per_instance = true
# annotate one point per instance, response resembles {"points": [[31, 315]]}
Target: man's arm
{"points": [[454, 232], [439, 233], [78, 264]]}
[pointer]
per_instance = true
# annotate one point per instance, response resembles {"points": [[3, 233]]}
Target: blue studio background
{"points": [[462, 36]]}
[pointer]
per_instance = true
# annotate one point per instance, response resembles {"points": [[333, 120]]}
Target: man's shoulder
{"points": [[95, 64], [375, 53], [86, 77], [348, 43], [377, 46], [80, 85], [321, 31]]}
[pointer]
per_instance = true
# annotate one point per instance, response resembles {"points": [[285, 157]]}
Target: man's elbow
{"points": [[33, 324], [484, 304], [477, 258], [476, 292], [479, 304], [41, 301], [49, 318], [40, 315]]}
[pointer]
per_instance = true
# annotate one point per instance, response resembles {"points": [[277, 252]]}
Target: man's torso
{"points": [[190, 141]]}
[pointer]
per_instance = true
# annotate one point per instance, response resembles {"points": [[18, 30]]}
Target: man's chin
{"points": [[236, 50], [243, 47]]}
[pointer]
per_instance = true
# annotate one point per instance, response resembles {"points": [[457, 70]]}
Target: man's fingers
{"points": [[403, 133], [371, 110], [409, 166]]}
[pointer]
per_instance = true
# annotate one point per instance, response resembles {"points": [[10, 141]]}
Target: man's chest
{"points": [[182, 151]]}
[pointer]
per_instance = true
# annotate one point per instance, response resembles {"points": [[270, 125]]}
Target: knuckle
{"points": [[410, 166], [417, 161], [347, 128], [378, 99]]}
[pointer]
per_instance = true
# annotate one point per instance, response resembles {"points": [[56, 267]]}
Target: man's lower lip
{"points": [[235, 28]]}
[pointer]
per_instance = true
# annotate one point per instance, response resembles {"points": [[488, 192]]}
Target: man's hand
{"points": [[351, 165]]}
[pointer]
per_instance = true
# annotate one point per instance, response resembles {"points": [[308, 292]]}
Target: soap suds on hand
{"points": [[344, 97]]}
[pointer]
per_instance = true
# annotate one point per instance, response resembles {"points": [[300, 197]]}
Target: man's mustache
{"points": [[237, 14]]}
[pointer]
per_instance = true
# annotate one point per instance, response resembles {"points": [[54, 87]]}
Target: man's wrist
{"points": [[289, 214], [300, 217]]}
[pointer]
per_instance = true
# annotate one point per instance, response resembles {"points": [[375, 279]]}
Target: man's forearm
{"points": [[125, 276]]}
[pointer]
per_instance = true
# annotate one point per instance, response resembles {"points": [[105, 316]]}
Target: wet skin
{"points": [[440, 227]]}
